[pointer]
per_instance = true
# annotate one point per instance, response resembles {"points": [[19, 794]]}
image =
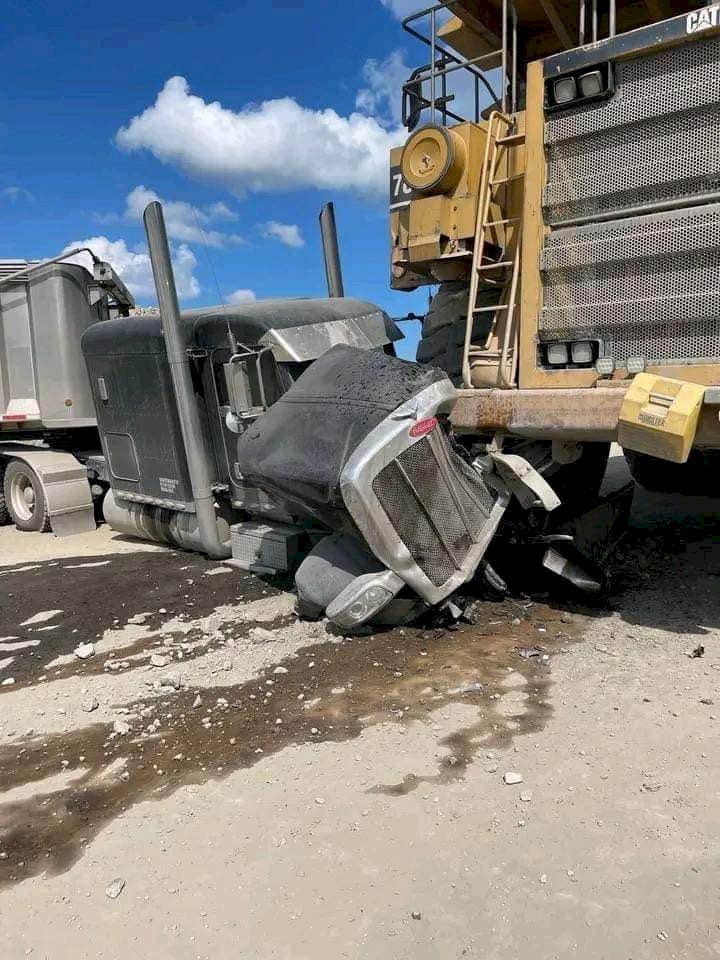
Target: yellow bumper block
{"points": [[659, 416]]}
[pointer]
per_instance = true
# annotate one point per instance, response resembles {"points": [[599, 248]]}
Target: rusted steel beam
{"points": [[553, 414], [590, 414]]}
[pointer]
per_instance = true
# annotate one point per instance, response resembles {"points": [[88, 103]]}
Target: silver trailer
{"points": [[48, 424]]}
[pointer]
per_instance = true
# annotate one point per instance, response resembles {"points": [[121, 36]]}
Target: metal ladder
{"points": [[503, 273]]}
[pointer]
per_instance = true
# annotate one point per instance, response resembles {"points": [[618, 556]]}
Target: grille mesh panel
{"points": [[655, 139], [438, 560], [697, 228], [647, 286]]}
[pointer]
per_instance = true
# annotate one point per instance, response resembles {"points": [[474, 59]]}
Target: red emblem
{"points": [[422, 427]]}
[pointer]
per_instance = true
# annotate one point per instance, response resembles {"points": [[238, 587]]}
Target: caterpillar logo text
{"points": [[703, 19]]}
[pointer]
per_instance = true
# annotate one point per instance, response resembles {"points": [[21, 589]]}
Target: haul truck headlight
{"points": [[557, 354], [636, 364], [579, 87], [582, 352], [433, 159], [564, 90], [591, 84], [576, 353]]}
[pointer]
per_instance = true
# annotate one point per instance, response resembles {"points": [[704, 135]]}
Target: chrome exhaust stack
{"points": [[331, 251], [210, 537]]}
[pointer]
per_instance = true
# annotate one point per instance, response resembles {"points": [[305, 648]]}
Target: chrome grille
{"points": [[437, 504], [654, 140]]}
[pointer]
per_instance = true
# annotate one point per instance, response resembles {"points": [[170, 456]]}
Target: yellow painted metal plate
{"points": [[659, 416], [433, 159]]}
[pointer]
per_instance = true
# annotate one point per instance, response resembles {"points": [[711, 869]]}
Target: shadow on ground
{"points": [[667, 569]]}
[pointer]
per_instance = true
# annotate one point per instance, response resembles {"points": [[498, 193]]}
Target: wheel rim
{"points": [[22, 497]]}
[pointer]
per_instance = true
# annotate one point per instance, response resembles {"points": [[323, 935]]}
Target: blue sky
{"points": [[103, 110]]}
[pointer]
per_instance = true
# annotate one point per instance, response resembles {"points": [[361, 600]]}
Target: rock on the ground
{"points": [[159, 660], [511, 778], [84, 651], [89, 705], [114, 888]]}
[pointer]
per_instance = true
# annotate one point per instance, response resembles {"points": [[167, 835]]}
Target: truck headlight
{"points": [[564, 90], [636, 364], [605, 366], [591, 84], [365, 596], [582, 351], [557, 354]]}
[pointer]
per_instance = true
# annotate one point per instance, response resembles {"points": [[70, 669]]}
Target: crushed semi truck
{"points": [[559, 185]]}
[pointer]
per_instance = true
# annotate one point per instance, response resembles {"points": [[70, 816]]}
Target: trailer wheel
{"points": [[4, 514], [25, 498]]}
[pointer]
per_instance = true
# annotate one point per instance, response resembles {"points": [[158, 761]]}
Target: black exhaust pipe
{"points": [[331, 252]]}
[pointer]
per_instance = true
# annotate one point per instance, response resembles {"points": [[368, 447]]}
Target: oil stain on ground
{"points": [[328, 692], [103, 593]]}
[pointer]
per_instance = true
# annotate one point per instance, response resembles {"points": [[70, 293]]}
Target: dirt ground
{"points": [[252, 787]]}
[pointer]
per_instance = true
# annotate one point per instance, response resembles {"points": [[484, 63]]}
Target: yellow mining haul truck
{"points": [[561, 184]]}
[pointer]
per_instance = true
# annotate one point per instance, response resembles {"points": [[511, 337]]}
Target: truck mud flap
{"points": [[65, 485]]}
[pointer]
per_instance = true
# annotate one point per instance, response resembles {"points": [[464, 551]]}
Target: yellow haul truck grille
{"points": [[655, 138], [644, 287], [632, 199]]}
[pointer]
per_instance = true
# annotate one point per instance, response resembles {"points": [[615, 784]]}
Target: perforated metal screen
{"points": [[644, 286], [655, 139]]}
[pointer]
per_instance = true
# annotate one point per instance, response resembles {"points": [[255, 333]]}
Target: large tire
{"points": [[4, 515], [443, 329], [578, 483], [25, 498]]}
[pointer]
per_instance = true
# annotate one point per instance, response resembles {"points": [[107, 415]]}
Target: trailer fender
{"points": [[65, 486]]}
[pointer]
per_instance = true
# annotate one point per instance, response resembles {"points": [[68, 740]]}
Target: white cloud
{"points": [[287, 233], [275, 145], [16, 193], [241, 296], [183, 220], [403, 8], [134, 269], [383, 93], [105, 219]]}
